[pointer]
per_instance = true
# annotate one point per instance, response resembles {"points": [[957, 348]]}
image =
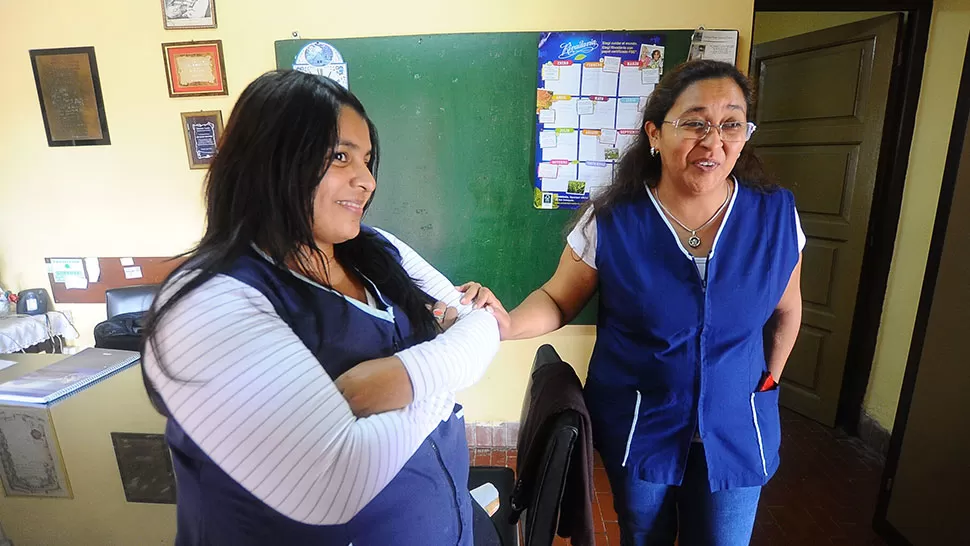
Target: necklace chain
{"points": [[694, 240]]}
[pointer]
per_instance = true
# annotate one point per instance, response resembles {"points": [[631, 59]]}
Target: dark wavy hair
{"points": [[637, 167], [278, 143]]}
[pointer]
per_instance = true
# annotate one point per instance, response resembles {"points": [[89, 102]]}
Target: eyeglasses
{"points": [[697, 129]]}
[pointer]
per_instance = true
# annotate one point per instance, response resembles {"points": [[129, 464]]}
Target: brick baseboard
{"points": [[506, 434], [492, 434], [873, 434]]}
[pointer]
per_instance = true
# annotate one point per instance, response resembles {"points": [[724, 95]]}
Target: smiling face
{"points": [[698, 166], [348, 184]]}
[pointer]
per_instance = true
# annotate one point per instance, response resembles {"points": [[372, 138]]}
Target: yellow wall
{"points": [[137, 197], [934, 118], [941, 77]]}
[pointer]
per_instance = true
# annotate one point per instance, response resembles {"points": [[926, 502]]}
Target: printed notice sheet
{"points": [[716, 45], [592, 90]]}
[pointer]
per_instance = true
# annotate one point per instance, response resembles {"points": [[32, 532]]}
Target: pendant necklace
{"points": [[694, 240]]}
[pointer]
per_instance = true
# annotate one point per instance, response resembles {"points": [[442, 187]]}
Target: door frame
{"points": [[887, 199], [951, 168]]}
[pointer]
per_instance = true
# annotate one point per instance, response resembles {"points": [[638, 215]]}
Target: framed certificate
{"points": [[30, 457], [69, 91], [202, 132], [195, 69], [179, 14]]}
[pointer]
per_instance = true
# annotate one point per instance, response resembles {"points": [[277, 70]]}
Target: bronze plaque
{"points": [[69, 91], [145, 466]]}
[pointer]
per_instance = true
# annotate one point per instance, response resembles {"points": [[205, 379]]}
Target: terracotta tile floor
{"points": [[823, 495]]}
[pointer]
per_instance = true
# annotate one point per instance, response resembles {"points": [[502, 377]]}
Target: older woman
{"points": [[697, 262]]}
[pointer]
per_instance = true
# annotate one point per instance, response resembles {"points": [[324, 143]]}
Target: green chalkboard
{"points": [[456, 119]]}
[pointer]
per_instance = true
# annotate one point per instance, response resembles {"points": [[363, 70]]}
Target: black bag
{"points": [[122, 331]]}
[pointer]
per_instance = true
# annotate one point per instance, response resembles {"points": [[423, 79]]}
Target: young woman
{"points": [[307, 383]]}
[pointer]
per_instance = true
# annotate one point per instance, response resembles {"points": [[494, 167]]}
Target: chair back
{"points": [[130, 299], [539, 495]]}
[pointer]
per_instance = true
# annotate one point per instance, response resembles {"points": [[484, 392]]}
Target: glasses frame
{"points": [[751, 128]]}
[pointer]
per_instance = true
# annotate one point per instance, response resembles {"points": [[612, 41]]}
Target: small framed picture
{"points": [[202, 132], [180, 14], [69, 91], [195, 69], [145, 466]]}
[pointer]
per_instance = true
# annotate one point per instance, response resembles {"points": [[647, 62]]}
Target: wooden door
{"points": [[821, 107]]}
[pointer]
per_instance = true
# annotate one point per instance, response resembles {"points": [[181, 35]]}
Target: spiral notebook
{"points": [[66, 377]]}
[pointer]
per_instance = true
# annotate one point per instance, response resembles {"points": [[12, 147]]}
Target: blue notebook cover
{"points": [[66, 376]]}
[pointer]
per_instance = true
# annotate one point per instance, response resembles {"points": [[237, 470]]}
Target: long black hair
{"points": [[638, 167], [278, 143]]}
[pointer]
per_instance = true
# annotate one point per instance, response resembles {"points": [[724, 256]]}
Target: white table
{"points": [[19, 332]]}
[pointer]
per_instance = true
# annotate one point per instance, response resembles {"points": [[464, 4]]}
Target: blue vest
{"points": [[426, 503], [676, 353]]}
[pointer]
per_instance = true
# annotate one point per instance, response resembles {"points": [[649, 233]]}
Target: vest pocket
{"points": [[633, 428], [764, 415]]}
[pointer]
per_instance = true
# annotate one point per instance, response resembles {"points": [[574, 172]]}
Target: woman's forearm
{"points": [[557, 302], [537, 315], [783, 330]]}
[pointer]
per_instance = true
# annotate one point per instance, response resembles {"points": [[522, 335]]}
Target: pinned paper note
{"points": [[611, 64], [608, 136], [642, 104], [63, 268], [716, 45], [547, 116], [93, 267], [548, 170], [133, 272], [76, 283], [548, 139], [649, 75], [126, 262], [585, 107], [550, 72]]}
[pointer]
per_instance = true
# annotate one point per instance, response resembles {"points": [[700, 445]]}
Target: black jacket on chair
{"points": [[555, 454], [122, 331], [127, 307]]}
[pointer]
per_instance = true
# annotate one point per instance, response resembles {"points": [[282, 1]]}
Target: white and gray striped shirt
{"points": [[254, 398]]}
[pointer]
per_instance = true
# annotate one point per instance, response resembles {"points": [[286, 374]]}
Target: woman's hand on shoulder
{"points": [[479, 297]]}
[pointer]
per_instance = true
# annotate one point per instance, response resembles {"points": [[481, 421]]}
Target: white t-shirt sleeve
{"points": [[802, 240], [582, 238], [254, 398], [457, 358]]}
